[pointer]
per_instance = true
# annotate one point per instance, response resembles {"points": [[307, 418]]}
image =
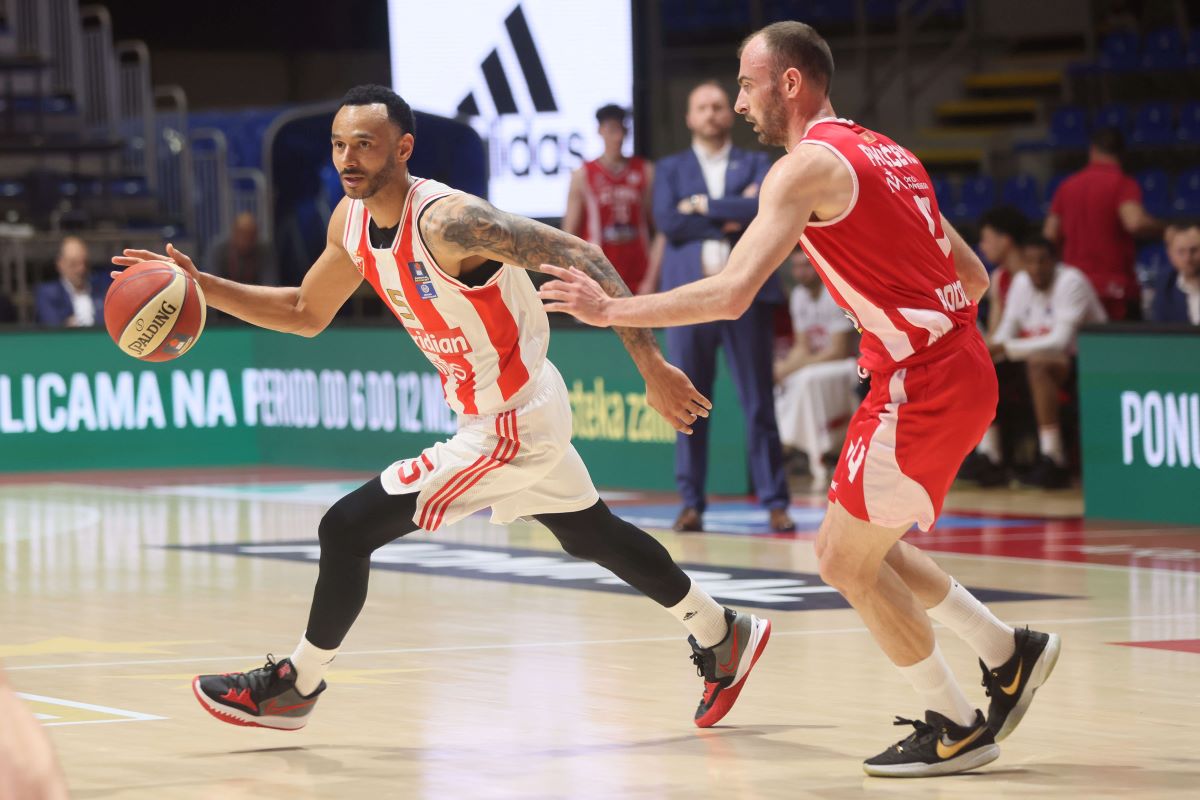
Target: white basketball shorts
{"points": [[518, 462]]}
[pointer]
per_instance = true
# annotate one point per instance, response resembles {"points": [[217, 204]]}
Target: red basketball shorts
{"points": [[910, 435]]}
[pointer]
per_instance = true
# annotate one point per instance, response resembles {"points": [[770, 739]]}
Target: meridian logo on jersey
{"points": [[440, 343], [422, 280]]}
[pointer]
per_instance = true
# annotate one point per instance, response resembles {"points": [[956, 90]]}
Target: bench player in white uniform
{"points": [[865, 213], [452, 269]]}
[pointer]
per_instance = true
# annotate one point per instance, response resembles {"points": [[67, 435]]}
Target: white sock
{"points": [[311, 663], [1050, 443], [934, 681], [702, 616], [990, 446], [976, 625]]}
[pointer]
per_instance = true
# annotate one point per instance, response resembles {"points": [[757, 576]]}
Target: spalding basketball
{"points": [[154, 311]]}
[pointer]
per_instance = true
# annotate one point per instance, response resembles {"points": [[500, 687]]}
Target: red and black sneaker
{"points": [[725, 666], [262, 698]]}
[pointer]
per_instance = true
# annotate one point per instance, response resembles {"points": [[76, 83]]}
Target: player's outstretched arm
{"points": [[461, 226], [305, 310], [789, 194]]}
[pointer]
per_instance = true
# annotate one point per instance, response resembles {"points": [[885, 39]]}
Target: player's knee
{"points": [[581, 534], [843, 569]]}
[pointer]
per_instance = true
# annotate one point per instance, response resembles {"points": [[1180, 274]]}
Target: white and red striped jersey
{"points": [[485, 341], [886, 259]]}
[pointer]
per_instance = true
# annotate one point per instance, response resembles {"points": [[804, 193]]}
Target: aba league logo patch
{"points": [[421, 278]]}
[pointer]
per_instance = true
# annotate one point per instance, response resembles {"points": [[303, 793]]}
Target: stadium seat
{"points": [[1068, 128], [1151, 262], [1152, 125], [1163, 50], [944, 190], [1156, 191], [1189, 123], [1192, 57], [1115, 115], [1187, 193], [1052, 187], [976, 195], [1023, 192], [1119, 52]]}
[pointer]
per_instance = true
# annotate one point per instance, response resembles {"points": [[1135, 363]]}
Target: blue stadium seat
{"points": [[1151, 262], [1192, 58], [944, 190], [1115, 115], [1163, 50], [1187, 193], [1068, 128], [1189, 123], [1156, 191], [1023, 192], [1052, 187], [1152, 125], [1119, 52], [976, 195]]}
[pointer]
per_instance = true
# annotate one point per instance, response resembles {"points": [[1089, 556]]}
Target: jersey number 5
{"points": [[926, 208]]}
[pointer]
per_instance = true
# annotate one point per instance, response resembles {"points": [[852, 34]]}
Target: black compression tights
{"points": [[368, 518]]}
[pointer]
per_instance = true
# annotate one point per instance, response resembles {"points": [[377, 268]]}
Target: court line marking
{"points": [[525, 645], [121, 714]]}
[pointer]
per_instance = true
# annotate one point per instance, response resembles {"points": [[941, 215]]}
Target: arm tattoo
{"points": [[478, 228]]}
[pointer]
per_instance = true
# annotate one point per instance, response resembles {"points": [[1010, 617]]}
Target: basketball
{"points": [[154, 311]]}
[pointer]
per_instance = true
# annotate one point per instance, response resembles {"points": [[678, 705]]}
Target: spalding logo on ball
{"points": [[154, 311]]}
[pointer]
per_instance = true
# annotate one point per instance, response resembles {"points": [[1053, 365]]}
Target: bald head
{"points": [[245, 232]]}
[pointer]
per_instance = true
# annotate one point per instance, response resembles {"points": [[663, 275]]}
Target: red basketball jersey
{"points": [[615, 217], [886, 259]]}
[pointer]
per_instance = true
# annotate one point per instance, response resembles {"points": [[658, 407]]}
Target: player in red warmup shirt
{"points": [[863, 209], [609, 203]]}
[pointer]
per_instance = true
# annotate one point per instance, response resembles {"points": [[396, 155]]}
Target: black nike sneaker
{"points": [[1045, 474], [1011, 686], [726, 665], [936, 746], [261, 698]]}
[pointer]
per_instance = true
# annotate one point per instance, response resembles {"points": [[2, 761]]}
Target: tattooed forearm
{"points": [[475, 227]]}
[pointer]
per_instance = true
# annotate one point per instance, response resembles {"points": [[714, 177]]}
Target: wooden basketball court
{"points": [[487, 666]]}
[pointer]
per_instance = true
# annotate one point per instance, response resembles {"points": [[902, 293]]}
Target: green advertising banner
{"points": [[354, 398], [1139, 393]]}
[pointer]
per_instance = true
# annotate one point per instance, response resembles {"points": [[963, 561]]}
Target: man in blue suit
{"points": [[1177, 291], [76, 299], [703, 199]]}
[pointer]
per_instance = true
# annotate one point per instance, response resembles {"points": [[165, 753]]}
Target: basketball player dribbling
{"points": [[863, 210], [452, 269]]}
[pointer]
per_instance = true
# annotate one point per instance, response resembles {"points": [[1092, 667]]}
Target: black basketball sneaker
{"points": [[262, 698], [1011, 686], [936, 746], [725, 665]]}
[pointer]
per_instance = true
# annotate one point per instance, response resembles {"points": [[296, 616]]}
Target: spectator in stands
{"points": [[1001, 231], [1094, 217], [1048, 303], [816, 379], [1177, 291], [76, 299], [703, 198], [242, 256], [608, 203]]}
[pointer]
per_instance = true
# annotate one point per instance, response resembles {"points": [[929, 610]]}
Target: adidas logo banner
{"points": [[528, 76]]}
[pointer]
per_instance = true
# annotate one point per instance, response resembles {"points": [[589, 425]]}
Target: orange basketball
{"points": [[154, 311]]}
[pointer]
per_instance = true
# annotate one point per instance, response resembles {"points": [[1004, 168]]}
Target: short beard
{"points": [[773, 125], [377, 181]]}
